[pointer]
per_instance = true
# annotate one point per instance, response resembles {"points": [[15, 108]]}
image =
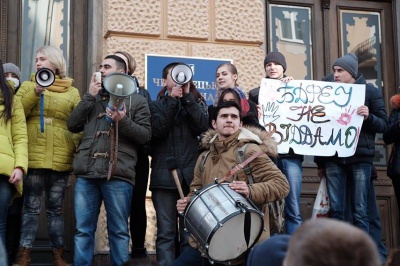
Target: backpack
{"points": [[276, 209]]}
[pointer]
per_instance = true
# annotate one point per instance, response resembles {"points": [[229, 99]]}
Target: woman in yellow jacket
{"points": [[13, 149], [51, 147]]}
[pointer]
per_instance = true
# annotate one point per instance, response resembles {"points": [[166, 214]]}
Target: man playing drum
{"points": [[218, 160]]}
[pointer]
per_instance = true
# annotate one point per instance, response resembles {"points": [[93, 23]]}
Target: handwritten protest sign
{"points": [[312, 117]]}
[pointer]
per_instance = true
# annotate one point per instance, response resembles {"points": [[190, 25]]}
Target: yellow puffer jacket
{"points": [[14, 142], [53, 148]]}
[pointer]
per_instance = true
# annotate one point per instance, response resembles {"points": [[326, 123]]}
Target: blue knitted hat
{"points": [[349, 62]]}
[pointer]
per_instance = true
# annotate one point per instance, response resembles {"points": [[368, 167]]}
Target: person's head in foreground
{"points": [[328, 242], [270, 252]]}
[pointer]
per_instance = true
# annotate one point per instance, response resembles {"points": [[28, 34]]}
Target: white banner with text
{"points": [[312, 117]]}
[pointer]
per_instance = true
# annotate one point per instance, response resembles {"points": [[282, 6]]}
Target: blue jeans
{"points": [[117, 196], [6, 190], [164, 201], [52, 184], [375, 229], [292, 169], [359, 175]]}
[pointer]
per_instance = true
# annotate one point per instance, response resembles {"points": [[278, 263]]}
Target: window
{"points": [[290, 34], [291, 29]]}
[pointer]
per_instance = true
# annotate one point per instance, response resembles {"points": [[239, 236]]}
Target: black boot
{"points": [[139, 253]]}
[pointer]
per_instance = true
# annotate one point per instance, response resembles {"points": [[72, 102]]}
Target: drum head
{"points": [[228, 242], [215, 217]]}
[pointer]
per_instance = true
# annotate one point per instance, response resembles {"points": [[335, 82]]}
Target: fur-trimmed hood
{"points": [[395, 101], [247, 134]]}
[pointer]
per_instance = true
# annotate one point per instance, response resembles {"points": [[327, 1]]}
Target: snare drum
{"points": [[223, 222]]}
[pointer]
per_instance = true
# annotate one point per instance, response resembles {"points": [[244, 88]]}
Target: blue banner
{"points": [[203, 73]]}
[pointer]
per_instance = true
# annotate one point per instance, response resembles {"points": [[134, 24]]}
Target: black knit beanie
{"points": [[277, 58], [349, 62]]}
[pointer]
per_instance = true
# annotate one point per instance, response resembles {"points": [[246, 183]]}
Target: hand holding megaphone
{"points": [[39, 90], [179, 90], [116, 114]]}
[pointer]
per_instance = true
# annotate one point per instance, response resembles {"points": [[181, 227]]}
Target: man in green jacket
{"points": [[105, 162]]}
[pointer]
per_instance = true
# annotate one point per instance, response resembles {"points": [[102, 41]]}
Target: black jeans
{"points": [[138, 217], [13, 232]]}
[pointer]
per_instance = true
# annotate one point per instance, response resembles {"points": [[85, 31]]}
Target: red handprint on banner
{"points": [[345, 118]]}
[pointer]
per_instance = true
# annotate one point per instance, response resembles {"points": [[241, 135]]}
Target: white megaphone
{"points": [[181, 74], [45, 77], [119, 86]]}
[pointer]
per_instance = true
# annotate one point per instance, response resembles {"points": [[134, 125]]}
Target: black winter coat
{"points": [[392, 135], [176, 127]]}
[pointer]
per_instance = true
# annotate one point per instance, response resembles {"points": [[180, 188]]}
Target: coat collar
{"points": [[245, 135]]}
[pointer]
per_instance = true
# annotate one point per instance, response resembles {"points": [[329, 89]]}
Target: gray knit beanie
{"points": [[276, 57], [349, 62], [11, 68]]}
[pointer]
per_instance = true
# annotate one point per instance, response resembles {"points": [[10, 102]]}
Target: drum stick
{"points": [[178, 184], [172, 164]]}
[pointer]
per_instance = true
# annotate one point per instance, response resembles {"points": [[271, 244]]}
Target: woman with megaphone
{"points": [[48, 99], [179, 116]]}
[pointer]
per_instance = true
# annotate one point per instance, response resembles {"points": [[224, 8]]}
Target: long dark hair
{"points": [[8, 95]]}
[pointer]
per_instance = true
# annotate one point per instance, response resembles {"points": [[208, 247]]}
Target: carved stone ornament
{"points": [[326, 4], [3, 29]]}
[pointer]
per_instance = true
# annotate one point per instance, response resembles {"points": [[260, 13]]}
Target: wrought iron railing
{"points": [[365, 50]]}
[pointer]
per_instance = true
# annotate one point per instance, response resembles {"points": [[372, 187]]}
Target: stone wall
{"points": [[231, 29]]}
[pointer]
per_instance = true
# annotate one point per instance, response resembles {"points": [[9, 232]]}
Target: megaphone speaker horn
{"points": [[119, 86], [181, 74], [45, 77]]}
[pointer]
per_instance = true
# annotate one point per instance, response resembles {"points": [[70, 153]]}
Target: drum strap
{"points": [[247, 227], [113, 151], [240, 166]]}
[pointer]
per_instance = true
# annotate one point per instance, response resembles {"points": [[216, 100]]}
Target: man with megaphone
{"points": [[114, 121]]}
